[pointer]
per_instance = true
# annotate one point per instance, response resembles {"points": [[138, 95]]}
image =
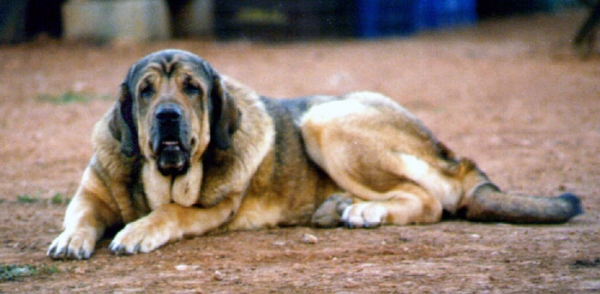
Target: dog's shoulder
{"points": [[233, 168], [256, 124]]}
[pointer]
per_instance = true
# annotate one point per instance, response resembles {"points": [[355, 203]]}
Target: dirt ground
{"points": [[508, 93]]}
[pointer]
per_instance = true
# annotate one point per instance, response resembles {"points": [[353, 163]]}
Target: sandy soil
{"points": [[508, 93]]}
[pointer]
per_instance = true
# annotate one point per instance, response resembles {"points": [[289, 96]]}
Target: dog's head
{"points": [[172, 106]]}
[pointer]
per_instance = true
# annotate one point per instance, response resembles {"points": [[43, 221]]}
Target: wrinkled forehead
{"points": [[168, 63]]}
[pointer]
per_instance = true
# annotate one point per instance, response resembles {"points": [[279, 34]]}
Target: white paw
{"points": [[364, 215], [142, 236], [73, 244]]}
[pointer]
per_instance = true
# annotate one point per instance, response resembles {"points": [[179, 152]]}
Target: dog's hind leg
{"points": [[386, 199], [398, 173], [408, 204], [364, 151]]}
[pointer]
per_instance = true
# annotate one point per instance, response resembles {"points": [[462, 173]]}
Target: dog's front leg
{"points": [[172, 222], [90, 212]]}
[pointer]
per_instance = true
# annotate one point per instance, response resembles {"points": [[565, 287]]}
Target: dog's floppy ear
{"points": [[122, 125], [226, 116]]}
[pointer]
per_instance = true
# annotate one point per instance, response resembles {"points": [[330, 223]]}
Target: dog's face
{"points": [[173, 105]]}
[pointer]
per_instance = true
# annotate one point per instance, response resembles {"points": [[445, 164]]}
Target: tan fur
{"points": [[258, 162]]}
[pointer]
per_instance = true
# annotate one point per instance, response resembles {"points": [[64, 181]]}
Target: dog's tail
{"points": [[485, 202], [490, 204]]}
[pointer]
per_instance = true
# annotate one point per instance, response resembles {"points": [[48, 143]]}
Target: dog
{"points": [[186, 151]]}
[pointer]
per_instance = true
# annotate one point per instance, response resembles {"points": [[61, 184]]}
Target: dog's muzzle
{"points": [[170, 140]]}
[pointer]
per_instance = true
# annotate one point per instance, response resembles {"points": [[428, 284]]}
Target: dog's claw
{"points": [[55, 253], [122, 249], [72, 244], [58, 254], [68, 253], [78, 254], [83, 254], [371, 225], [71, 253], [117, 249]]}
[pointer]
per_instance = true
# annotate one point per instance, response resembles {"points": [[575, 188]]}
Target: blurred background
{"points": [[265, 20]]}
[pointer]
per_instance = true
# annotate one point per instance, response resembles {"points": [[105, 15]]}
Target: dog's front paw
{"points": [[364, 215], [73, 244], [143, 236]]}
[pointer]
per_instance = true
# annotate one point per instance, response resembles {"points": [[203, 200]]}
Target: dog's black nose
{"points": [[168, 112]]}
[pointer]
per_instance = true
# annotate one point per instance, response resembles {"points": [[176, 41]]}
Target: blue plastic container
{"points": [[440, 14], [378, 18]]}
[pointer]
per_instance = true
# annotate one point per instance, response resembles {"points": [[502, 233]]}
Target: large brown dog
{"points": [[186, 151]]}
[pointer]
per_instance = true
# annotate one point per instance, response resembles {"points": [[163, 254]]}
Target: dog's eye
{"points": [[146, 91], [191, 88]]}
